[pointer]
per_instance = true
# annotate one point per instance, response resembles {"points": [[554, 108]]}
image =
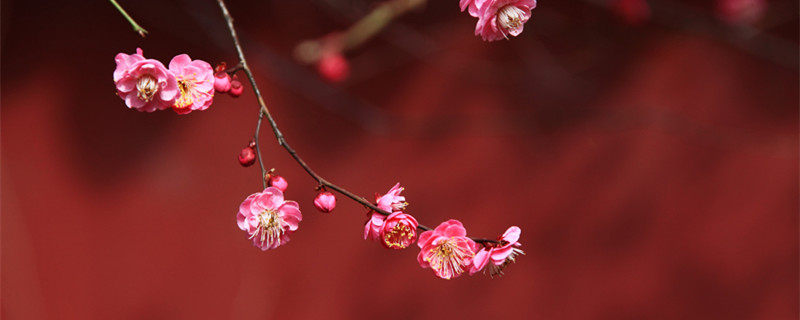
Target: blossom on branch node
{"points": [[497, 19], [236, 87], [277, 181], [398, 231], [500, 255], [446, 249], [268, 219], [325, 201], [145, 84], [222, 81], [247, 157], [195, 82]]}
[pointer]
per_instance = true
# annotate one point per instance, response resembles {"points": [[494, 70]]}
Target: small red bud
{"points": [[277, 182], [247, 157], [325, 201], [236, 87], [333, 67], [222, 82]]}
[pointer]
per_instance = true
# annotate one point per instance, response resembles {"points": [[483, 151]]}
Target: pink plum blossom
{"points": [[195, 82], [268, 218], [145, 84], [497, 19], [392, 200], [399, 230], [446, 249], [499, 255], [325, 201]]}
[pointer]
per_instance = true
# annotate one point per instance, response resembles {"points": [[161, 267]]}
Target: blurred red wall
{"points": [[652, 169]]}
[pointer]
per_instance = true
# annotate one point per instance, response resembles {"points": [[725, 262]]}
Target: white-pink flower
{"points": [[499, 255], [268, 218], [195, 82], [145, 84], [446, 249], [498, 19]]}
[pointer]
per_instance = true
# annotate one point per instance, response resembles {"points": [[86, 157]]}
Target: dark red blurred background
{"points": [[653, 169]]}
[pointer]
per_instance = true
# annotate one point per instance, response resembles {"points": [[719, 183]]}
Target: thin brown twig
{"points": [[362, 30], [264, 112]]}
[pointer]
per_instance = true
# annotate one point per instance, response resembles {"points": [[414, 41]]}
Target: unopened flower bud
{"points": [[222, 82], [247, 157], [277, 182], [333, 67], [236, 87], [325, 201]]}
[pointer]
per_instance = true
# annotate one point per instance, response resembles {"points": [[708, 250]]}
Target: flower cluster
{"points": [[398, 230], [147, 85], [497, 19], [446, 249]]}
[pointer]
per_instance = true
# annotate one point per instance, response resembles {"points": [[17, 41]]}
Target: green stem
{"points": [[136, 27]]}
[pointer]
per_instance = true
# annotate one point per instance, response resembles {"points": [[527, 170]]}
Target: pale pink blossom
{"points": [[399, 230], [446, 249], [392, 200], [325, 201], [498, 256], [195, 82], [145, 84], [268, 218], [498, 19]]}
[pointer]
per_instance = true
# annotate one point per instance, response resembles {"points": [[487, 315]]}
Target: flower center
{"points": [[147, 86], [189, 94], [399, 237], [510, 17], [446, 259], [269, 227], [399, 206]]}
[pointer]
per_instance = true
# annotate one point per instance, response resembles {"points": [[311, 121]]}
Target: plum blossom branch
{"points": [[264, 112], [136, 27], [310, 51]]}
